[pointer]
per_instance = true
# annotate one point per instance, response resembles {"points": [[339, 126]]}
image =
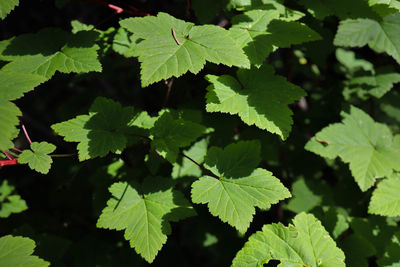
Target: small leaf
{"points": [[305, 243], [145, 214], [100, 132], [171, 47], [36, 57], [368, 146], [170, 134], [196, 152], [38, 157], [351, 63], [240, 187], [303, 199], [124, 43], [377, 85], [10, 203], [259, 97], [17, 250], [258, 33], [385, 200]]}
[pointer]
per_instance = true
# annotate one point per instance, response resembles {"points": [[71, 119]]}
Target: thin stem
{"points": [[207, 171], [133, 11], [62, 155], [26, 132], [16, 149]]}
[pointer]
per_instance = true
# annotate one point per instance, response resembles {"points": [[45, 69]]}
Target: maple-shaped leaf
{"points": [[34, 58], [368, 146], [171, 47], [381, 36], [17, 250], [342, 8], [240, 186], [102, 131], [6, 7], [385, 199], [375, 85], [144, 213], [38, 157], [259, 32], [9, 113], [259, 97], [170, 134], [303, 243], [9, 201]]}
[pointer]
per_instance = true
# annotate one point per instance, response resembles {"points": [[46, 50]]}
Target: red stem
{"points": [[16, 149], [8, 162], [8, 155], [116, 8], [133, 11], [26, 133]]}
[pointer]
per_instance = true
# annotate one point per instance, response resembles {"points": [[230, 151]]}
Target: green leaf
{"points": [[170, 134], [342, 8], [259, 97], [381, 36], [258, 33], [303, 199], [102, 131], [366, 145], [240, 186], [357, 250], [38, 157], [385, 200], [391, 256], [17, 250], [376, 85], [6, 6], [145, 213], [15, 83], [305, 243], [9, 113], [124, 43], [10, 203], [196, 152], [285, 13], [163, 56], [351, 63], [36, 57]]}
